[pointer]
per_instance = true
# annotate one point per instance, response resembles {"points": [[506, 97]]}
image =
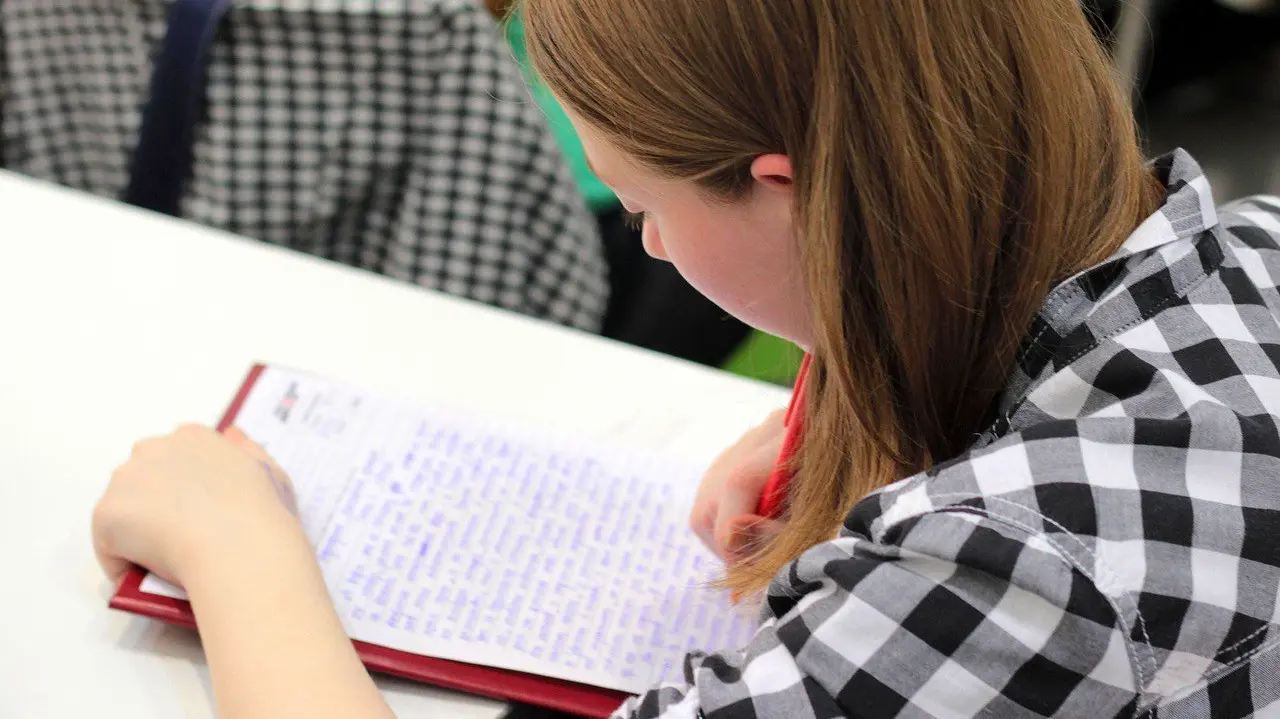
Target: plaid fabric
{"points": [[1110, 548], [396, 136]]}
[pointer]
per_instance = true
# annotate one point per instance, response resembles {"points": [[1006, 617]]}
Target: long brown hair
{"points": [[953, 160]]}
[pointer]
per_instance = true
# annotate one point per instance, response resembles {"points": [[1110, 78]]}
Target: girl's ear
{"points": [[772, 171]]}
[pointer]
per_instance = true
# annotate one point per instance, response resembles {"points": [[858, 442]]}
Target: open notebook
{"points": [[539, 569]]}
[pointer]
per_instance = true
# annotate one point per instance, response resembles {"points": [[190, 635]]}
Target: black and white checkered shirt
{"points": [[1112, 548], [393, 135]]}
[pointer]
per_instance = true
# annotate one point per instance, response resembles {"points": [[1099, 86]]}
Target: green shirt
{"points": [[599, 197]]}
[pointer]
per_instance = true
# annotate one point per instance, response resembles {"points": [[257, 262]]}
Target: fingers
{"points": [[179, 489], [236, 436], [742, 490], [112, 565], [735, 480], [106, 517], [775, 421], [748, 533], [703, 522]]}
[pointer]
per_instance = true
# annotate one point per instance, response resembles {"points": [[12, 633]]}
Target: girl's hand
{"points": [[212, 513], [183, 497], [724, 510]]}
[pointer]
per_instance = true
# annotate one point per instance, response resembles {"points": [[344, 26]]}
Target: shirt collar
{"points": [[1097, 303], [1187, 211]]}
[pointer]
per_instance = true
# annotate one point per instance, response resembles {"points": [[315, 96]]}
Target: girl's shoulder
{"points": [[1137, 449], [1256, 211]]}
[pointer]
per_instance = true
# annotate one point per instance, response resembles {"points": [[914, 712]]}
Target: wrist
{"points": [[246, 554]]}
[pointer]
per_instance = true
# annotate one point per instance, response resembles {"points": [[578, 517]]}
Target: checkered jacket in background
{"points": [[395, 136], [1110, 548]]}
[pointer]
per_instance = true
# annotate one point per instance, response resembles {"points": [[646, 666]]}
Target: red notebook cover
{"points": [[504, 684]]}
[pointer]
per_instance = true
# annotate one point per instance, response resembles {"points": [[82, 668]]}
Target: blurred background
{"points": [[384, 139], [1207, 76]]}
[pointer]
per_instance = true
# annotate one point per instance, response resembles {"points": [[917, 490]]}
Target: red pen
{"points": [[775, 488]]}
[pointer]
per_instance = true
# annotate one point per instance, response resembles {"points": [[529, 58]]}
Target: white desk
{"points": [[115, 324]]}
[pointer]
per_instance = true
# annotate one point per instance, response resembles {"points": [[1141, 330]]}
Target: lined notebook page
{"points": [[450, 536]]}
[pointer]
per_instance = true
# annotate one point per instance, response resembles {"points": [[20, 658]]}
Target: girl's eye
{"points": [[636, 220]]}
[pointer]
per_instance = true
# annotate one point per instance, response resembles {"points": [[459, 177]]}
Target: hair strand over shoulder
{"points": [[953, 161]]}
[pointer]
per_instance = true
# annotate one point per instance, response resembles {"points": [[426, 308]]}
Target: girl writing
{"points": [[1036, 448]]}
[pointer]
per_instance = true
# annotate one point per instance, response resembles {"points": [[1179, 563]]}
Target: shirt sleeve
{"points": [[958, 614]]}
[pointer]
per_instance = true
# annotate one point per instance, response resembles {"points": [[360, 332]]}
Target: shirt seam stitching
{"points": [[1132, 647]]}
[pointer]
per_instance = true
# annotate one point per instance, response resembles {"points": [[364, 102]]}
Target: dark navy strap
{"points": [[162, 160]]}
